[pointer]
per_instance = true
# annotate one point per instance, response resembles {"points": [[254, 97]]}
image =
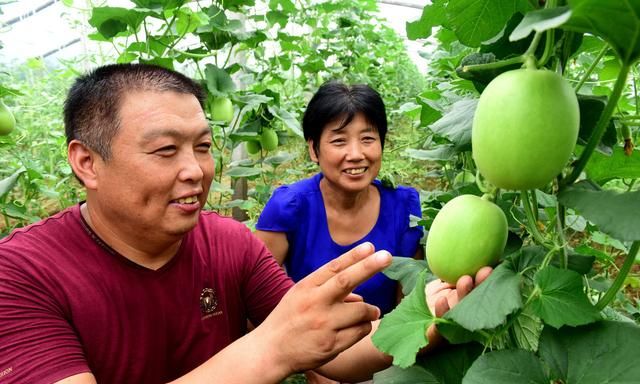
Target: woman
{"points": [[310, 222]]}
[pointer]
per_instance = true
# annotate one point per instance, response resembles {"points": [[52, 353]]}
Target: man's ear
{"points": [[83, 162], [312, 151]]}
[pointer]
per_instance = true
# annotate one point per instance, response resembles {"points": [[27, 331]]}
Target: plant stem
{"points": [[591, 67], [496, 65], [531, 219], [600, 127], [622, 275]]}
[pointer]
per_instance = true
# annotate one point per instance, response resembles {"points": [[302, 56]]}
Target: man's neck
{"points": [[145, 252]]}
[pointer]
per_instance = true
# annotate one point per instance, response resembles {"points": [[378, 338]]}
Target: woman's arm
{"points": [[276, 242]]}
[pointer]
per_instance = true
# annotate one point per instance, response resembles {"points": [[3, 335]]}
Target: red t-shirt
{"points": [[70, 304]]}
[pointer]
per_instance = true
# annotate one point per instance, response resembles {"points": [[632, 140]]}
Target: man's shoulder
{"points": [[42, 231]]}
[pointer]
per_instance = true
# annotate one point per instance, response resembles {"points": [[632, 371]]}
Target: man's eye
{"points": [[204, 147], [166, 150], [337, 141]]}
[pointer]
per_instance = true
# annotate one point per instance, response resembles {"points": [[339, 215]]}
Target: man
{"points": [[138, 285]]}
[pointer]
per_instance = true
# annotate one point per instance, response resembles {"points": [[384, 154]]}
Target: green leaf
{"points": [[287, 119], [526, 330], [614, 213], [591, 108], [280, 158], [506, 367], [540, 21], [401, 333], [603, 352], [8, 183], [219, 83], [455, 125], [476, 21], [561, 299], [602, 168], [410, 375], [406, 271], [451, 362], [243, 172], [489, 304], [112, 21], [441, 153], [433, 15], [581, 264], [616, 22]]}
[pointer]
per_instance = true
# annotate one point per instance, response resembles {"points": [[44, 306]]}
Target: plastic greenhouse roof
{"points": [[53, 31]]}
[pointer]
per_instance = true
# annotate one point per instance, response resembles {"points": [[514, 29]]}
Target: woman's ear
{"points": [[312, 151], [83, 163]]}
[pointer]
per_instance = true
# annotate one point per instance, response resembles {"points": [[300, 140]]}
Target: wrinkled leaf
{"points": [[406, 270], [527, 328], [219, 83], [401, 333], [489, 304], [506, 367], [614, 213], [602, 168], [561, 299], [475, 21], [441, 153], [603, 352], [455, 125], [243, 172]]}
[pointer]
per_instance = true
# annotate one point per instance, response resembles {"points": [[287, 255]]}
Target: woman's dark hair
{"points": [[336, 101], [91, 111]]}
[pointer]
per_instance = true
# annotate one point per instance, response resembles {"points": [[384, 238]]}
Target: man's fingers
{"points": [[346, 315], [335, 266], [352, 297], [346, 337], [482, 274], [340, 285]]}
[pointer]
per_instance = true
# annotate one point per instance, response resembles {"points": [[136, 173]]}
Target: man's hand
{"points": [[320, 317], [442, 296]]}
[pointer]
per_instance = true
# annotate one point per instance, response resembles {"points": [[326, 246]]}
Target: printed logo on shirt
{"points": [[208, 302], [6, 372]]}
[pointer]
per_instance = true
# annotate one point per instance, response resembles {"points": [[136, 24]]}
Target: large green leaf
{"points": [[440, 153], [406, 271], [602, 168], [410, 375], [560, 298], [617, 22], [526, 330], [507, 367], [614, 213], [112, 21], [219, 83], [475, 21], [447, 366], [591, 108], [401, 333], [288, 119], [8, 183], [489, 304], [603, 352], [433, 15], [243, 171], [455, 125], [540, 21]]}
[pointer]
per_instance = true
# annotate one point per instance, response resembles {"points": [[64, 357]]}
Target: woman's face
{"points": [[349, 157]]}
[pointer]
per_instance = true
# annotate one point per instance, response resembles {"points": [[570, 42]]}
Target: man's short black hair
{"points": [[91, 111], [336, 101]]}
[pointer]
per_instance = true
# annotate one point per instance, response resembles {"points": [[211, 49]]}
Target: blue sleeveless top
{"points": [[298, 210]]}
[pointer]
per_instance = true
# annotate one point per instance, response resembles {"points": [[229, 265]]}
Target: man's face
{"points": [[158, 177]]}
